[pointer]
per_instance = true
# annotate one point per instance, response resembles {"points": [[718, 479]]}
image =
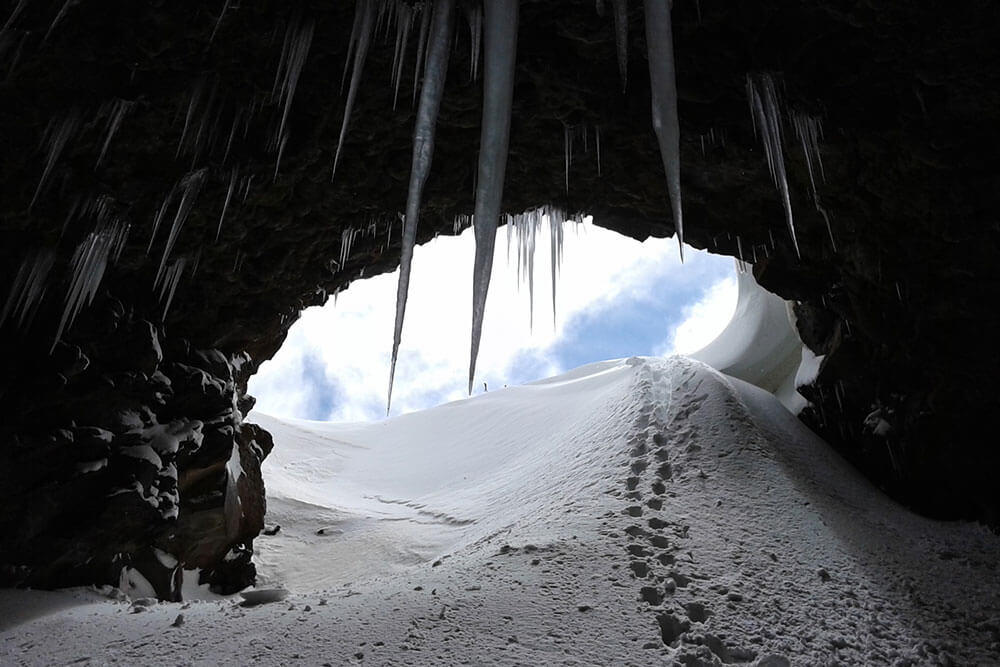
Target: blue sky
{"points": [[615, 298]]}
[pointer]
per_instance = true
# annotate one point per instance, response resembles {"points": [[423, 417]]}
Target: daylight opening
{"points": [[615, 297]]}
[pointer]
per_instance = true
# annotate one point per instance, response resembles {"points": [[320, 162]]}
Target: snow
{"points": [[639, 511]]}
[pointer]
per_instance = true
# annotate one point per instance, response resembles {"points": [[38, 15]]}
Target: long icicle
{"points": [[662, 79], [403, 29], [765, 107], [500, 23], [360, 54], [620, 8], [423, 153]]}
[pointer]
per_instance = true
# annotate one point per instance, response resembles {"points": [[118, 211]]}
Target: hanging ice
{"points": [[766, 113], [423, 153], [229, 196], [363, 24], [662, 79], [809, 130], [116, 114], [556, 219], [88, 265], [298, 40], [404, 24], [28, 287], [620, 8], [54, 140], [191, 185], [474, 14], [170, 279], [218, 22], [425, 26], [500, 24]]}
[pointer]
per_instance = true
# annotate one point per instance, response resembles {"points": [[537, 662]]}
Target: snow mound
{"points": [[645, 511]]}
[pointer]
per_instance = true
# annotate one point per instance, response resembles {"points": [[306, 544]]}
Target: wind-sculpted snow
{"points": [[640, 511]]}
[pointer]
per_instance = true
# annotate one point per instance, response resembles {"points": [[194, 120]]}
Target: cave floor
{"points": [[643, 511]]}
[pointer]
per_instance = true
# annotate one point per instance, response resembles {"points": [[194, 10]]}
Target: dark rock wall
{"points": [[903, 307]]}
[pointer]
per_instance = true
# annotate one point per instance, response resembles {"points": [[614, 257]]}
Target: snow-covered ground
{"points": [[643, 511]]}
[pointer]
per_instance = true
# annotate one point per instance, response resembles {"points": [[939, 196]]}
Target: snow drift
{"points": [[643, 511]]}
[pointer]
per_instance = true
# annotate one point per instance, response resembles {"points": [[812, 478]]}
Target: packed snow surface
{"points": [[634, 512]]}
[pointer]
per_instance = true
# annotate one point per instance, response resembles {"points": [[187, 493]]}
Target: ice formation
{"points": [[423, 153], [766, 113], [662, 81], [229, 196], [500, 24], [116, 113], [191, 184], [360, 40], [298, 40], [54, 140], [620, 8], [425, 26], [809, 130], [404, 25], [475, 17], [88, 265], [28, 287], [169, 285]]}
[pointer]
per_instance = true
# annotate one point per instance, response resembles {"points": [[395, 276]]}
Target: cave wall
{"points": [[902, 307]]}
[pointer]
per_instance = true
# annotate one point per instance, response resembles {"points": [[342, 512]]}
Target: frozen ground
{"points": [[645, 511]]}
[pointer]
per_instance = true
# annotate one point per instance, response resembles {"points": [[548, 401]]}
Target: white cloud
{"points": [[349, 343], [704, 319]]}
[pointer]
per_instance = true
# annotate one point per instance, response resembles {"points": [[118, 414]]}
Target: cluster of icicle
{"points": [[766, 112], [499, 21], [212, 120]]}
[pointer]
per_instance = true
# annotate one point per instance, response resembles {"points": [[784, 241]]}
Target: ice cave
{"points": [[815, 485]]}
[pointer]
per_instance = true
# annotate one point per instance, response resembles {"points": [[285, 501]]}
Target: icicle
{"points": [[171, 277], [597, 134], [218, 22], [809, 130], [192, 187], [229, 195], [298, 40], [424, 131], [14, 14], [662, 79], [500, 23], [346, 242], [620, 8], [118, 110], [767, 122], [55, 138], [403, 29], [425, 25], [366, 8], [28, 287], [88, 265], [474, 14], [566, 155], [59, 17], [196, 93], [556, 220]]}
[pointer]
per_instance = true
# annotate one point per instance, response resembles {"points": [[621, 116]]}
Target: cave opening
{"points": [[615, 298]]}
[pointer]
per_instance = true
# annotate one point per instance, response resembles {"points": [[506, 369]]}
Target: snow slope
{"points": [[644, 511]]}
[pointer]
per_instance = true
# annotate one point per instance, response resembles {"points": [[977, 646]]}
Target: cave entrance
{"points": [[615, 297]]}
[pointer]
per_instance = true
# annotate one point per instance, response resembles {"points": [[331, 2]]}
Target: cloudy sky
{"points": [[615, 298]]}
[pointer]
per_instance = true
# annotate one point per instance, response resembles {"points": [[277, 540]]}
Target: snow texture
{"points": [[642, 511], [500, 23]]}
